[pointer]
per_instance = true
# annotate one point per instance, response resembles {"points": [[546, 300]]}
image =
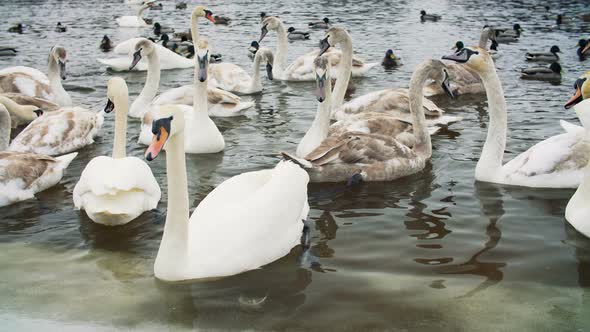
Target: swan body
{"points": [[577, 211], [302, 68], [115, 190], [556, 162], [370, 156], [168, 59], [59, 132], [233, 78], [32, 82], [22, 175], [265, 206], [134, 21]]}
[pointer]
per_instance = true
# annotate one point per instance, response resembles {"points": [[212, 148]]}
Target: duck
{"points": [[159, 29], [221, 20], [20, 114], [254, 46], [544, 57], [220, 103], [232, 78], [535, 168], [203, 135], [583, 47], [297, 35], [429, 17], [391, 60], [157, 7], [106, 44], [552, 73], [302, 68], [323, 24], [43, 105], [60, 28], [506, 35], [181, 5], [494, 53], [266, 206], [8, 51], [23, 175], [135, 21], [358, 155], [19, 28], [577, 211], [114, 190], [32, 82]]}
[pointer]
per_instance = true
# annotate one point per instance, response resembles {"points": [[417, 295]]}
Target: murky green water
{"points": [[434, 251]]}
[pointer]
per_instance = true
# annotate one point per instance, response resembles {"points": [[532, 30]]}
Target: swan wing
{"points": [[229, 77]]}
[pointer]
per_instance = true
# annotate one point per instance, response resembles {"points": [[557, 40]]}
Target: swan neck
{"points": [[318, 131], [490, 161], [420, 76], [4, 129], [195, 32], [279, 63], [152, 81], [343, 73], [256, 84], [483, 40], [16, 109], [120, 140], [141, 10], [54, 77], [175, 238]]}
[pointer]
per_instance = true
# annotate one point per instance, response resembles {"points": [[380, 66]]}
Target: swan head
{"points": [[115, 87], [322, 76], [254, 46], [582, 90], [168, 122], [439, 74], [270, 23], [202, 56], [475, 58], [333, 37], [59, 55], [265, 54], [202, 11], [143, 47]]}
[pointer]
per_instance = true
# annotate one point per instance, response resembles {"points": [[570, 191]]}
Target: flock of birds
{"points": [[380, 136]]}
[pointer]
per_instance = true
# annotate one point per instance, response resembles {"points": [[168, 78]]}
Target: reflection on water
{"points": [[432, 251]]}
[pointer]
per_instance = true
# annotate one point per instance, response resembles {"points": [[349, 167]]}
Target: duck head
{"points": [[333, 37]]}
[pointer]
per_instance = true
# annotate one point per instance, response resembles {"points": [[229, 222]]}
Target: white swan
{"points": [[20, 114], [556, 162], [202, 135], [302, 68], [134, 21], [266, 207], [115, 190], [577, 211], [220, 103], [59, 132], [231, 77], [22, 175], [372, 156], [31, 82], [167, 58]]}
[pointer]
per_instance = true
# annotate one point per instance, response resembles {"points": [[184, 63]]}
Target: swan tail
{"points": [[299, 161], [65, 160], [570, 127]]}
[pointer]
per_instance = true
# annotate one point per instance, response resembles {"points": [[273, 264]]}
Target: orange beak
{"points": [[576, 98], [210, 17], [157, 144]]}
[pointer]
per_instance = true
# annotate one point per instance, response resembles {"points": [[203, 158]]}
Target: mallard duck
{"points": [[292, 34], [506, 35], [157, 7], [323, 24], [583, 48], [390, 60], [254, 46], [181, 5], [8, 51], [544, 57], [60, 27], [429, 17], [17, 28], [494, 53], [106, 44], [552, 73], [160, 29], [222, 20]]}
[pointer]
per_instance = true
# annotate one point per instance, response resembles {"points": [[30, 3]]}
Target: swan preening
{"points": [[244, 210], [302, 68], [22, 175], [556, 162], [31, 82], [115, 190]]}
